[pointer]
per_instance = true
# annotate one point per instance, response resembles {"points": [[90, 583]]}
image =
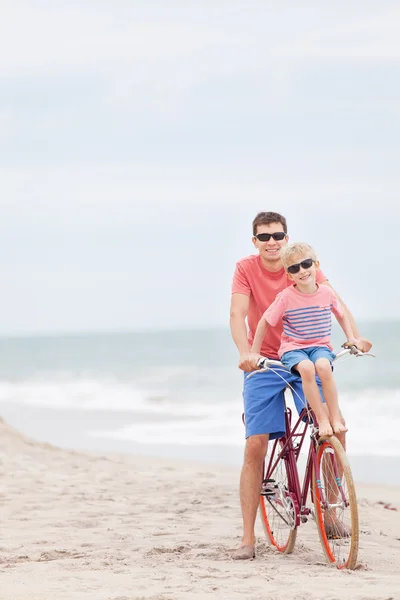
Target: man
{"points": [[256, 282]]}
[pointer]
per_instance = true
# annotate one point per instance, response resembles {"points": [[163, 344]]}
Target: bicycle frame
{"points": [[291, 444]]}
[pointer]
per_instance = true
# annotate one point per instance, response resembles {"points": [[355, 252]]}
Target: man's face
{"points": [[270, 250]]}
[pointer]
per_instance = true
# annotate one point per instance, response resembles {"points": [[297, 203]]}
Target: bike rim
{"points": [[339, 513]]}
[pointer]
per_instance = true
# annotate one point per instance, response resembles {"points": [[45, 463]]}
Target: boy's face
{"points": [[270, 250], [305, 275]]}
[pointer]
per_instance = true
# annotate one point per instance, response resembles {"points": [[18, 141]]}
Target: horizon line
{"points": [[148, 330]]}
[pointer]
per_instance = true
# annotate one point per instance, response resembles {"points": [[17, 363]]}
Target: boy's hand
{"points": [[362, 344], [248, 361]]}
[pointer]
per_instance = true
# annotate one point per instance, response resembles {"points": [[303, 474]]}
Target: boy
{"points": [[305, 311]]}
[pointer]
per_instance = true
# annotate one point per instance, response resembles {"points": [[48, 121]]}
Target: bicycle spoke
{"points": [[283, 516], [276, 507]]}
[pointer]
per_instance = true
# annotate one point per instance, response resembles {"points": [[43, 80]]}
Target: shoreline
{"points": [[71, 430]]}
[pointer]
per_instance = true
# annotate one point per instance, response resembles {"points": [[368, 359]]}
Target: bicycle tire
{"points": [[338, 485], [279, 533]]}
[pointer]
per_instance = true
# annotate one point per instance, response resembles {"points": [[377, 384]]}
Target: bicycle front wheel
{"points": [[277, 511], [335, 505]]}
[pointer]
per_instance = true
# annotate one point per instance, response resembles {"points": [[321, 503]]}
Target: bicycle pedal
{"points": [[268, 487], [267, 492]]}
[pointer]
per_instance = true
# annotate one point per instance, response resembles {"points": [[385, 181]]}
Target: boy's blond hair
{"points": [[299, 248]]}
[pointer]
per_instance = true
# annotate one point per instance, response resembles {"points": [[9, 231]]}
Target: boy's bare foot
{"points": [[338, 427], [324, 428]]}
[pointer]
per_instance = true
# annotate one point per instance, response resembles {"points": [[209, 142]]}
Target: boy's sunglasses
{"points": [[265, 237], [305, 264]]}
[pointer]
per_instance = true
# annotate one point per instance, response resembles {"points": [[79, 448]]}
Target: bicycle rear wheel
{"points": [[277, 511], [335, 505]]}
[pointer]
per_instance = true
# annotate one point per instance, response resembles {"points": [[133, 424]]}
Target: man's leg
{"points": [[264, 415], [250, 483]]}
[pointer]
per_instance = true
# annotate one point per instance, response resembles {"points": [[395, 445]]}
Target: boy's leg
{"points": [[264, 419], [307, 373], [324, 370]]}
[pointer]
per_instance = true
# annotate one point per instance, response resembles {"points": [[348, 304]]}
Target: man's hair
{"points": [[299, 248], [266, 218]]}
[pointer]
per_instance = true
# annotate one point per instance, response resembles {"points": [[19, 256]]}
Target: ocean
{"points": [[177, 394]]}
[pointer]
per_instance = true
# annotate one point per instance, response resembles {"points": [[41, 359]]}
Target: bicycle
{"points": [[328, 477]]}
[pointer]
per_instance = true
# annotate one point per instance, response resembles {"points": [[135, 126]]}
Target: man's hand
{"points": [[248, 361]]}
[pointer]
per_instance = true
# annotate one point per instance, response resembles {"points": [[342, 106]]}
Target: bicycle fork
{"points": [[325, 504]]}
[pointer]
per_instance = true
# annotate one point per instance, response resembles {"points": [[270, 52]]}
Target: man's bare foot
{"points": [[338, 427], [324, 428], [244, 552], [336, 530]]}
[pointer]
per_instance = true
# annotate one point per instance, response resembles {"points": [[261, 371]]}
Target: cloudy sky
{"points": [[139, 138]]}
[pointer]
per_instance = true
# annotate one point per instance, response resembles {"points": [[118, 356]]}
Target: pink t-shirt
{"points": [[306, 318], [262, 286]]}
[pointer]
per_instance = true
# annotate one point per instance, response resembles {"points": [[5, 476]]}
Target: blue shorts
{"points": [[264, 402], [293, 357]]}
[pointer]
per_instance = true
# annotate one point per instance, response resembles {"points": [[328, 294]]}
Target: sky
{"points": [[138, 140]]}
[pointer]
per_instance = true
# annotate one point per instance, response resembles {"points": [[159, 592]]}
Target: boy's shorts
{"points": [[293, 357], [264, 404]]}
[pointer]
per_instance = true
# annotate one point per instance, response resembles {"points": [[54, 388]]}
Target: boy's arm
{"points": [[363, 344], [259, 335]]}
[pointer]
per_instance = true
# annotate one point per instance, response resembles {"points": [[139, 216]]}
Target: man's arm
{"points": [[238, 314], [344, 323], [259, 335], [362, 343]]}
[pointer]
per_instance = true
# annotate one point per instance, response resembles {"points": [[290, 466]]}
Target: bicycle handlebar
{"points": [[265, 363], [353, 350]]}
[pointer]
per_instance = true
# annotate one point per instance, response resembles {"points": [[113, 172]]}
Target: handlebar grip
{"points": [[355, 351]]}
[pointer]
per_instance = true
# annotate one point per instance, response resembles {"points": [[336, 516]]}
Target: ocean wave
{"points": [[373, 419], [197, 416], [90, 394], [80, 394]]}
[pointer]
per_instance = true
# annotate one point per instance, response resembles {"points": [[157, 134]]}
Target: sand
{"points": [[80, 526]]}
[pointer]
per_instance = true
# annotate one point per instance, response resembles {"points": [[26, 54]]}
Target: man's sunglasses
{"points": [[265, 237], [305, 264]]}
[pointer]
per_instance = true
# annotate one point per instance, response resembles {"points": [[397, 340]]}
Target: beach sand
{"points": [[77, 526]]}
